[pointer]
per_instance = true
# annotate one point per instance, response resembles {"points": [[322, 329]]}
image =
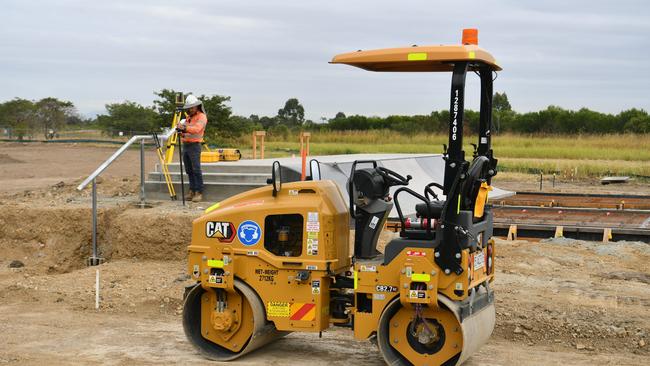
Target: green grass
{"points": [[569, 156]]}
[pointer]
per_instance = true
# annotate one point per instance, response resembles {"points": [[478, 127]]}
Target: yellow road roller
{"points": [[279, 258]]}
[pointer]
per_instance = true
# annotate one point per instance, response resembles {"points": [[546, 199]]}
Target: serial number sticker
{"points": [[278, 309], [479, 261], [378, 297], [365, 268], [253, 253], [311, 268]]}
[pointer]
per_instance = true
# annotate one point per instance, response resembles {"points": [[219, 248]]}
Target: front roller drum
{"points": [[205, 328], [431, 337]]}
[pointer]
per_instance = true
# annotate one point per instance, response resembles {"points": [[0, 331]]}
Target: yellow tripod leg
{"points": [[171, 142], [165, 171]]}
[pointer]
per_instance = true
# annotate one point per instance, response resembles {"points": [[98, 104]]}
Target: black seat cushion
{"points": [[435, 208]]}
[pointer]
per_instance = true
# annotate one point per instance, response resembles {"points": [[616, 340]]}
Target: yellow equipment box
{"points": [[209, 157], [220, 155], [229, 154]]}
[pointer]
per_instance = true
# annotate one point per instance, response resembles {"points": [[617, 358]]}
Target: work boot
{"points": [[198, 197], [190, 195]]}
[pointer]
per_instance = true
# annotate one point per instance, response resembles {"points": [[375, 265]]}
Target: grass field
{"points": [[574, 156]]}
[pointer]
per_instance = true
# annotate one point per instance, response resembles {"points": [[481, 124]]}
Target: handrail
{"points": [[95, 259], [119, 152]]}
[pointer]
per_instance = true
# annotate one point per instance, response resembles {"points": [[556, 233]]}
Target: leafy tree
{"points": [[638, 124], [625, 116], [292, 114], [220, 124], [339, 115], [128, 117], [18, 115], [500, 102], [501, 111], [165, 105], [268, 122], [52, 114], [280, 132]]}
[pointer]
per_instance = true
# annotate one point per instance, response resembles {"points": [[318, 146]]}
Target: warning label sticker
{"points": [[315, 287], [313, 226], [303, 311], [415, 294], [278, 309], [312, 246], [294, 311], [373, 222]]}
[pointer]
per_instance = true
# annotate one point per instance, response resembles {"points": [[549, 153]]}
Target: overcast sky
{"points": [[569, 53]]}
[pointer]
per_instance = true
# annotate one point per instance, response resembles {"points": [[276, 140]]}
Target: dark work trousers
{"points": [[192, 161]]}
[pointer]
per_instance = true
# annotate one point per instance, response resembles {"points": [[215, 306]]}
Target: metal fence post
{"points": [[142, 198], [93, 259]]}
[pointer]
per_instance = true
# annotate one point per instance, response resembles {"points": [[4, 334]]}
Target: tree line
{"points": [[25, 118], [51, 114]]}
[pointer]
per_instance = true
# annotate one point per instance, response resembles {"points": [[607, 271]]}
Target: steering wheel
{"points": [[392, 178]]}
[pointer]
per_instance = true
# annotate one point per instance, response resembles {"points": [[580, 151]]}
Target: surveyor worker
{"points": [[192, 129]]}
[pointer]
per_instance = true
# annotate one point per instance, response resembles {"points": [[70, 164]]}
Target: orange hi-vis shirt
{"points": [[195, 127]]}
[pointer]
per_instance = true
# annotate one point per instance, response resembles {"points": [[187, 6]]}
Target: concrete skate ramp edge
{"points": [[424, 168]]}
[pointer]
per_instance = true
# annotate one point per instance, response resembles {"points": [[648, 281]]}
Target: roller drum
{"points": [[264, 332], [394, 347]]}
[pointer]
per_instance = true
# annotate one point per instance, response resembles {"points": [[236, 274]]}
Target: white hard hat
{"points": [[191, 101]]}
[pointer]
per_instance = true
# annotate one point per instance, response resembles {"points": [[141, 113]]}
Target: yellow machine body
{"points": [[302, 229], [316, 220]]}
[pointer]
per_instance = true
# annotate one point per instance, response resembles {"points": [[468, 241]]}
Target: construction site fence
{"points": [[24, 134]]}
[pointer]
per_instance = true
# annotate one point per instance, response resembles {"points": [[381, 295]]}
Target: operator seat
{"points": [[468, 191], [476, 175], [434, 211]]}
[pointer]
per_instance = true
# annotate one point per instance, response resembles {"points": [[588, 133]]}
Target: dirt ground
{"points": [[558, 301]]}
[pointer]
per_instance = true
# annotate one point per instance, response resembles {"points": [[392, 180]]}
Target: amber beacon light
{"points": [[470, 36]]}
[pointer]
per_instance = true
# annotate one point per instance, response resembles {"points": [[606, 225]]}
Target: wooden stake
{"points": [[97, 289]]}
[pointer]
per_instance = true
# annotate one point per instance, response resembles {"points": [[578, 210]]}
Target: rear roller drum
{"points": [[431, 337], [224, 326]]}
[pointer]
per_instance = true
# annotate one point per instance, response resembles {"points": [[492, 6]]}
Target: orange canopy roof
{"points": [[417, 58]]}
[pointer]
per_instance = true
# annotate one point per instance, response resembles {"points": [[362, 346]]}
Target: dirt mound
{"points": [[59, 238], [54, 238], [152, 234]]}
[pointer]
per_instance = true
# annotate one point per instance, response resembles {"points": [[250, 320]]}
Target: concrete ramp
{"points": [[225, 179]]}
